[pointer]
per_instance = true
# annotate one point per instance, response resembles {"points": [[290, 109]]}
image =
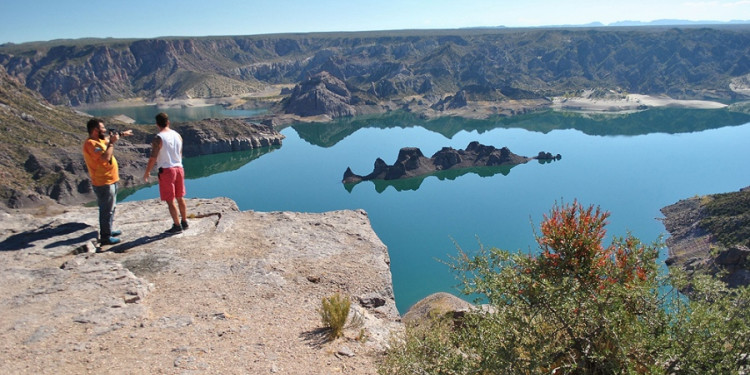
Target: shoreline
{"points": [[172, 103], [230, 101], [629, 103], [480, 109]]}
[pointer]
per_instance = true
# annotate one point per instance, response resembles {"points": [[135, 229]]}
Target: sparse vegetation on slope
{"points": [[40, 147], [727, 217], [35, 136]]}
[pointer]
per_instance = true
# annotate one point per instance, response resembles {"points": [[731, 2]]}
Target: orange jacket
{"points": [[102, 172]]}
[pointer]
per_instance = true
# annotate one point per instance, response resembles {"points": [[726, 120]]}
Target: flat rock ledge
{"points": [[238, 292]]}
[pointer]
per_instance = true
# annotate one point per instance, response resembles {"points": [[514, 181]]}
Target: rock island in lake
{"points": [[412, 163]]}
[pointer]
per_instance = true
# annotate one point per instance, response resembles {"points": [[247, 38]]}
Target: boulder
{"points": [[734, 261], [213, 136], [436, 305]]}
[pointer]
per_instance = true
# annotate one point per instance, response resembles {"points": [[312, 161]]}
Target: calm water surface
{"points": [[629, 165]]}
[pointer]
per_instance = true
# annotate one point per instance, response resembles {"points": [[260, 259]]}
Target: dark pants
{"points": [[106, 198]]}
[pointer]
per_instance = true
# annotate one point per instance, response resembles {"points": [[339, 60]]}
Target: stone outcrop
{"points": [[212, 136], [412, 163], [436, 305], [736, 262], [451, 102], [696, 250], [320, 94], [237, 292]]}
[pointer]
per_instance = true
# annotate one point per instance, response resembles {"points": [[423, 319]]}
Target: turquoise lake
{"points": [[630, 165]]}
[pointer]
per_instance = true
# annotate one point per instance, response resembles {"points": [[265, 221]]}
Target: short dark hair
{"points": [[93, 124], [162, 119]]}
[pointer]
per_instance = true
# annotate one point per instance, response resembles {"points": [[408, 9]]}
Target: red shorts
{"points": [[171, 183]]}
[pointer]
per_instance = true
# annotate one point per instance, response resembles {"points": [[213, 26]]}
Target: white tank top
{"points": [[170, 154]]}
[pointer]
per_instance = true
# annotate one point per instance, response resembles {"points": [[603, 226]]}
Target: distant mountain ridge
{"points": [[659, 22], [376, 67], [677, 22]]}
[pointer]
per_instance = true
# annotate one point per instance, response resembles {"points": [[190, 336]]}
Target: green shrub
{"points": [[578, 307], [334, 312]]}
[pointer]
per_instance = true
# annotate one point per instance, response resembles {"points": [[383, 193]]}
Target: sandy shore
{"points": [[630, 102], [162, 103], [613, 103], [266, 92]]}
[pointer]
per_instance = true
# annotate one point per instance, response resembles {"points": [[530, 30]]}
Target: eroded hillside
{"points": [[40, 147], [486, 64]]}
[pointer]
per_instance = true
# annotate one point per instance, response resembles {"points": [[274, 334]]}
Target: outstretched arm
{"points": [[109, 151]]}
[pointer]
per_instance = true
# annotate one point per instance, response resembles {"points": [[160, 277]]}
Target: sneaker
{"points": [[184, 224], [115, 233], [110, 241], [174, 230]]}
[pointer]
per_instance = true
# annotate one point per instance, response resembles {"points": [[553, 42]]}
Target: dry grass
{"points": [[334, 312]]}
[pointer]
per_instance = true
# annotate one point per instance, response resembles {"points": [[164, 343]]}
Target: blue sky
{"points": [[37, 20]]}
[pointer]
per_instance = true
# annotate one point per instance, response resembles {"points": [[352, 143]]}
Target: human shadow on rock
{"points": [[73, 241], [127, 245], [26, 239]]}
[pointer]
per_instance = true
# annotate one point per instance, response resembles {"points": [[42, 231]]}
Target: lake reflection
{"points": [[629, 165], [208, 165], [657, 120], [414, 183]]}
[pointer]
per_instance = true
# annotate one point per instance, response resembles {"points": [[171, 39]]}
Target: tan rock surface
{"points": [[236, 293], [628, 103], [434, 305]]}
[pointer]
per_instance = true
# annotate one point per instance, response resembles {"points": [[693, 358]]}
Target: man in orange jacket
{"points": [[98, 152]]}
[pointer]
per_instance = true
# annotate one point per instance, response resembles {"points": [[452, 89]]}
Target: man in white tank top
{"points": [[166, 154]]}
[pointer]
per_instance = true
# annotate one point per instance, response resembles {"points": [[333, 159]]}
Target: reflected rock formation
{"points": [[654, 120], [412, 163], [414, 183]]}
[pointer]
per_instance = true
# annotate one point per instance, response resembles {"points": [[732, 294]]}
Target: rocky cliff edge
{"points": [[709, 234], [238, 292]]}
